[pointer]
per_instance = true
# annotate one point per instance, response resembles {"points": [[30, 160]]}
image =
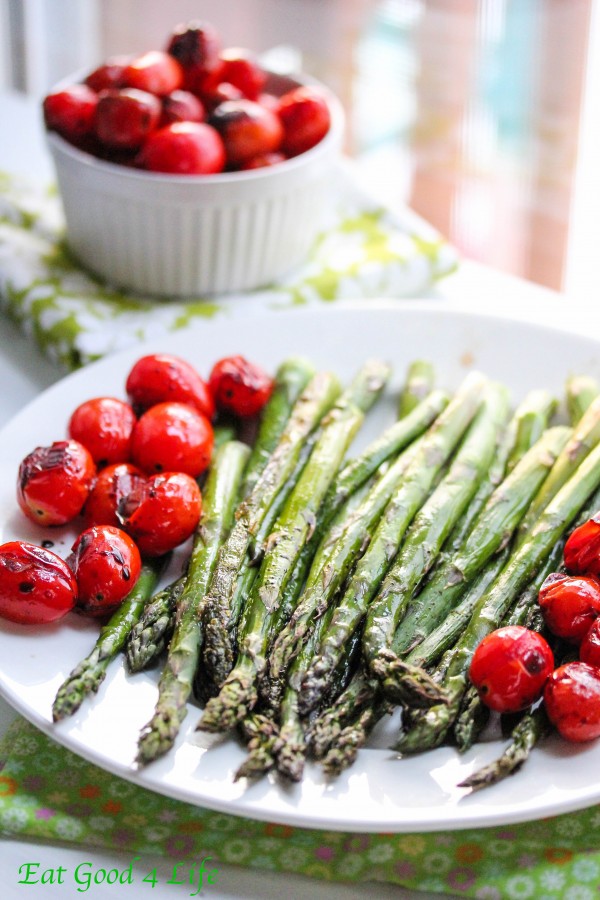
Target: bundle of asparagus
{"points": [[321, 592]]}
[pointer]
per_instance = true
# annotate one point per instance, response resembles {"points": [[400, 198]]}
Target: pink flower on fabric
{"points": [[325, 853], [404, 869], [461, 879], [44, 813]]}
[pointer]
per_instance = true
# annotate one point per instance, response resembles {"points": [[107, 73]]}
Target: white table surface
{"points": [[23, 374]]}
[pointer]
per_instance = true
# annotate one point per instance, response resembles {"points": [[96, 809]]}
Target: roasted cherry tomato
{"points": [[572, 700], [247, 128], [71, 112], [172, 437], [112, 486], [109, 74], [306, 119], [106, 563], [181, 106], [510, 668], [589, 649], [155, 71], [196, 46], [160, 378], [241, 68], [239, 387], [124, 118], [582, 549], [54, 482], [184, 148], [570, 604], [162, 512], [104, 426], [36, 585], [220, 93]]}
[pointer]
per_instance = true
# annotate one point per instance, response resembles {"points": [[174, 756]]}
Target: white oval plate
{"points": [[380, 792]]}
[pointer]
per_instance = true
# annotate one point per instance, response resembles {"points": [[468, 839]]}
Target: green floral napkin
{"points": [[48, 793], [364, 251]]}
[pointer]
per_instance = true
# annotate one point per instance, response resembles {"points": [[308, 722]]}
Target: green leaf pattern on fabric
{"points": [[364, 251], [49, 793]]}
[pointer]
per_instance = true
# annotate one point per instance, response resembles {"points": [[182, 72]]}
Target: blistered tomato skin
{"points": [[582, 549], [572, 701], [510, 668], [104, 426], [239, 386], [163, 512], [156, 72], [247, 128], [124, 118], [111, 487], [569, 604], [172, 437], [589, 649], [306, 119], [71, 112], [36, 585], [54, 482], [184, 148], [160, 377], [181, 106], [106, 563]]}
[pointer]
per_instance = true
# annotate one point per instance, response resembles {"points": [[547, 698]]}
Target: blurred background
{"points": [[482, 115]]}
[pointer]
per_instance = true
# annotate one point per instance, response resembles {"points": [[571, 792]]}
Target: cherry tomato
{"points": [[263, 160], [239, 387], [160, 377], [582, 549], [184, 148], [569, 604], [112, 487], [247, 128], [181, 106], [124, 118], [109, 74], [104, 426], [172, 437], [222, 92], [71, 112], [155, 71], [196, 46], [106, 563], [36, 585], [306, 119], [572, 700], [54, 482], [241, 69], [510, 668], [589, 649], [162, 512]]}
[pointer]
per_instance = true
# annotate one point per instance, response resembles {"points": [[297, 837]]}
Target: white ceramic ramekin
{"points": [[177, 236]]}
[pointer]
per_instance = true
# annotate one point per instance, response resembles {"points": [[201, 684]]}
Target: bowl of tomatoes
{"points": [[192, 170]]}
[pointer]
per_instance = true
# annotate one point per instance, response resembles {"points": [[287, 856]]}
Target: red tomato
{"points": [[36, 585], [241, 69], [112, 487], [589, 649], [107, 564], [572, 700], [109, 74], [181, 106], [155, 71], [162, 512], [582, 549], [71, 112], [125, 118], [569, 604], [196, 45], [247, 128], [306, 119], [54, 482], [161, 377], [239, 387], [220, 93], [510, 668], [104, 426], [184, 148], [172, 437]]}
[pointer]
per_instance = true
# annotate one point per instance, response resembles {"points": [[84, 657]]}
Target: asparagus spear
{"points": [[314, 402], [88, 675], [423, 542], [531, 418], [581, 390], [397, 496], [556, 518], [239, 693], [152, 632], [219, 500], [360, 694], [353, 737], [419, 383]]}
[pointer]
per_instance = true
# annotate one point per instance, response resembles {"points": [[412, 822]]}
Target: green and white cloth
{"points": [[363, 251]]}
